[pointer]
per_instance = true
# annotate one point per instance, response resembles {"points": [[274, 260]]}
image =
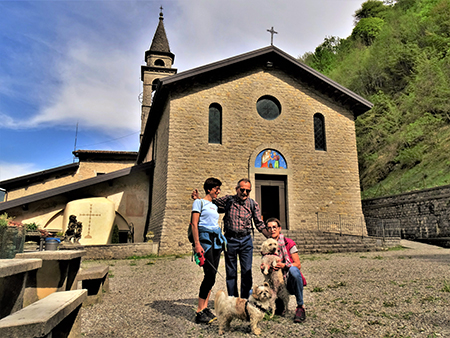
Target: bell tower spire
{"points": [[159, 60]]}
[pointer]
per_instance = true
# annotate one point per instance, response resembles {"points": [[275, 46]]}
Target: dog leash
{"points": [[206, 260]]}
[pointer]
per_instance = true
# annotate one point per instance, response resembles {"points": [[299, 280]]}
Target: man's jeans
{"points": [[294, 284], [244, 248]]}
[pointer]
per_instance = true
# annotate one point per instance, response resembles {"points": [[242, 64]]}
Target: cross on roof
{"points": [[272, 32]]}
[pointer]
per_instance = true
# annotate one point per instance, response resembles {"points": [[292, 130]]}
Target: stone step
{"points": [[309, 241]]}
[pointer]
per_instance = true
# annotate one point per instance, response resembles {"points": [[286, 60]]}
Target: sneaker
{"points": [[211, 315], [300, 315], [202, 318]]}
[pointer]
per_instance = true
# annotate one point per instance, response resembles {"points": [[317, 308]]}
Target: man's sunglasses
{"points": [[245, 190]]}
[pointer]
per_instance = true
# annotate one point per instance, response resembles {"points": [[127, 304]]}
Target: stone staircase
{"points": [[310, 241]]}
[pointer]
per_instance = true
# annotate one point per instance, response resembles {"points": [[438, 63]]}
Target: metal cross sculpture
{"points": [[272, 32]]}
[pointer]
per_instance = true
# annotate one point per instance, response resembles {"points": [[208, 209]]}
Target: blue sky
{"points": [[69, 62]]}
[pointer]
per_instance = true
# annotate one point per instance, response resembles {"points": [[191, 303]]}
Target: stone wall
{"points": [[159, 189], [422, 214], [119, 251], [318, 181]]}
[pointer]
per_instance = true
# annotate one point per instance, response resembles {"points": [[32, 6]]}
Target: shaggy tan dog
{"points": [[253, 309], [269, 252]]}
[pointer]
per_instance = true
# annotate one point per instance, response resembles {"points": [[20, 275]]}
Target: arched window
{"points": [[159, 62], [319, 132], [215, 123]]}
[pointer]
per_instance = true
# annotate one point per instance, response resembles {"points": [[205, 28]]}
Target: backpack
{"points": [[189, 231]]}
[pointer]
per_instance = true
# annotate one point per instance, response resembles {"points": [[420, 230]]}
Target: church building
{"points": [[261, 115]]}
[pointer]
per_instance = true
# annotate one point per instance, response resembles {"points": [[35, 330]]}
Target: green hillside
{"points": [[398, 57]]}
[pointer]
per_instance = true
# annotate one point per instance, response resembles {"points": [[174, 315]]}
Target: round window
{"points": [[268, 107]]}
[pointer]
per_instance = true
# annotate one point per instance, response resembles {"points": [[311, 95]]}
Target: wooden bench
{"points": [[95, 280], [55, 316]]}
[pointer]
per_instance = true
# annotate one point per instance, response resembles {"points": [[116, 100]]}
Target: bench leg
{"points": [[69, 327], [95, 292], [11, 293]]}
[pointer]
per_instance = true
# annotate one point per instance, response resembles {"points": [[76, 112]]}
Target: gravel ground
{"points": [[396, 293]]}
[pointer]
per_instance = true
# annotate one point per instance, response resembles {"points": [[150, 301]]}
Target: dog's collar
{"points": [[268, 254], [259, 307]]}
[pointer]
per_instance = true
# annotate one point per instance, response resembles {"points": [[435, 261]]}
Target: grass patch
{"points": [[336, 285], [407, 315], [397, 248], [389, 304], [446, 287], [429, 299], [275, 318], [313, 258], [357, 313], [317, 289], [110, 275], [378, 257], [143, 257], [334, 330]]}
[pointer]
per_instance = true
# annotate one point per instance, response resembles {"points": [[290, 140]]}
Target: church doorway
{"points": [[271, 196]]}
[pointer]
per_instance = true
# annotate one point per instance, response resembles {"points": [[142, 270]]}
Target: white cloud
{"points": [[10, 170], [98, 88]]}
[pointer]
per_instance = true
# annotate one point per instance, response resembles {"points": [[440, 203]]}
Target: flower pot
{"points": [[12, 239]]}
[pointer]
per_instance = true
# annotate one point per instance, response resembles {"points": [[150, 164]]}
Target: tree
{"points": [[324, 56], [367, 29], [371, 9]]}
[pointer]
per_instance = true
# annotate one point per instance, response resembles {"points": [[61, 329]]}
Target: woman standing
{"points": [[208, 240]]}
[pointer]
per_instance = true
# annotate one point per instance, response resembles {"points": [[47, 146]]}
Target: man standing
{"points": [[239, 210], [290, 265]]}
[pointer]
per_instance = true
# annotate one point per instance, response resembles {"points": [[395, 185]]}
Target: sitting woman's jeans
{"points": [[294, 284]]}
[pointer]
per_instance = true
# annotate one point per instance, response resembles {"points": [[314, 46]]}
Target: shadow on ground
{"points": [[180, 308], [185, 309]]}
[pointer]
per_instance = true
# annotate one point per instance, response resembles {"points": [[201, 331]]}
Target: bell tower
{"points": [[159, 60]]}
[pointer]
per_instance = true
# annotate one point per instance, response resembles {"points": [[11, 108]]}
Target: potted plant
{"points": [[12, 236]]}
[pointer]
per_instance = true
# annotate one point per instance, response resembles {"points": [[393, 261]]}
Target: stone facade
{"points": [[421, 214], [316, 181]]}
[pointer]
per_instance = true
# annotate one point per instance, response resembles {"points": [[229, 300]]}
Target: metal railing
{"points": [[341, 224], [383, 227]]}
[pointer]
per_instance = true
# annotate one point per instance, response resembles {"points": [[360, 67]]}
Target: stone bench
{"points": [[95, 280], [58, 273], [13, 279], [57, 315]]}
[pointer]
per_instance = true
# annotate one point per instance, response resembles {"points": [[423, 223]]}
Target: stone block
{"points": [[95, 280], [57, 315]]}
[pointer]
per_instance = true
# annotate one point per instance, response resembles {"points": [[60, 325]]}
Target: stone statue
{"points": [[73, 231]]}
